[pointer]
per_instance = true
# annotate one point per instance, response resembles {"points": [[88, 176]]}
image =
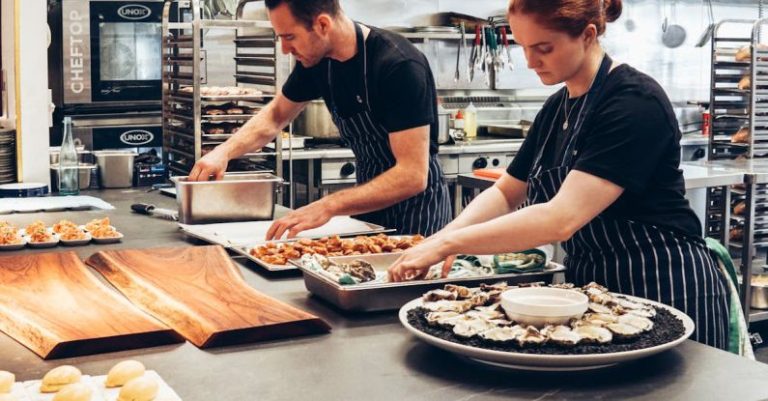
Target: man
{"points": [[381, 94]]}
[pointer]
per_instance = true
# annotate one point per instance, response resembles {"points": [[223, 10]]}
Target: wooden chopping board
{"points": [[200, 293], [55, 306]]}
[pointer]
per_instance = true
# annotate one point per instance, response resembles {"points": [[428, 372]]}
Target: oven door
{"points": [[112, 51], [139, 131]]}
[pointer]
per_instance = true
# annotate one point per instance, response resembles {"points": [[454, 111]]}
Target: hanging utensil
{"points": [[673, 35], [707, 34], [507, 51], [629, 23], [457, 74], [463, 46], [474, 54]]}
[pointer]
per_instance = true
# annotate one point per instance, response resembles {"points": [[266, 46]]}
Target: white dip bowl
{"points": [[540, 306]]}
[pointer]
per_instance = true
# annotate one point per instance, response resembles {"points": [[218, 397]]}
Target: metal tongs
{"points": [[507, 54]]}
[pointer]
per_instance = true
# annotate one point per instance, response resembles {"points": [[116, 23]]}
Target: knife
{"points": [[152, 210]]}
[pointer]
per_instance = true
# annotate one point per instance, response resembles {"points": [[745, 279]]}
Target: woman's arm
{"points": [[581, 198]]}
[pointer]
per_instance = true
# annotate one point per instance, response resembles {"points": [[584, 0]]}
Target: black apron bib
{"points": [[631, 257], [425, 213]]}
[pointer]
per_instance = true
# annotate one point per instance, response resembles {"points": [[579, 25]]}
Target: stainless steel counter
{"points": [[370, 356]]}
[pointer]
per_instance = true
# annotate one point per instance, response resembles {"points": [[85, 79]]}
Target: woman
{"points": [[600, 171]]}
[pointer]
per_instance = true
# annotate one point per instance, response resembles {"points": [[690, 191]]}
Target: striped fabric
{"points": [[425, 213]]}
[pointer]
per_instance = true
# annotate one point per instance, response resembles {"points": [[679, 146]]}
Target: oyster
{"points": [[471, 327], [646, 313], [460, 291], [563, 286], [494, 296], [624, 331], [533, 284], [599, 308], [603, 298], [594, 285], [485, 313], [502, 333], [448, 306], [446, 318], [531, 336], [640, 322], [629, 305], [479, 299], [562, 335], [593, 334], [500, 286], [600, 319], [436, 295]]}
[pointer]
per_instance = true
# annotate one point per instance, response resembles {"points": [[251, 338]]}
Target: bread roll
{"points": [[737, 234], [739, 208], [745, 53], [741, 136], [74, 392], [59, 377], [8, 397], [139, 389], [745, 82], [6, 381], [123, 372]]}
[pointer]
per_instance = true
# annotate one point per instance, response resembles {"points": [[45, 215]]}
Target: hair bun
{"points": [[612, 10]]}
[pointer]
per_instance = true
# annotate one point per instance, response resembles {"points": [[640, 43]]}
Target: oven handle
{"points": [[117, 122]]}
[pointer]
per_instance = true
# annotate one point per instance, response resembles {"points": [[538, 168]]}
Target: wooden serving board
{"points": [[53, 305], [201, 294]]}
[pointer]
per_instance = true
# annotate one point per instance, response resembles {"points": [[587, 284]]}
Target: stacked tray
{"points": [[7, 156]]}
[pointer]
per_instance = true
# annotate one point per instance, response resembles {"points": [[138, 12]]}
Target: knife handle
{"points": [[143, 208]]}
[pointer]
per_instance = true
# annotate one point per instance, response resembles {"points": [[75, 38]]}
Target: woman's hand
{"points": [[415, 262]]}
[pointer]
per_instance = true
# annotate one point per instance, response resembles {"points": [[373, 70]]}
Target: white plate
{"points": [[110, 240], [48, 244], [76, 242], [548, 362], [13, 247]]}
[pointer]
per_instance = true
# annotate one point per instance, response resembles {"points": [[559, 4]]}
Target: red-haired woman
{"points": [[600, 169]]}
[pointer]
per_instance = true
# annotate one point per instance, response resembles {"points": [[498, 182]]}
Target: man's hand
{"points": [[212, 164], [414, 263], [313, 215]]}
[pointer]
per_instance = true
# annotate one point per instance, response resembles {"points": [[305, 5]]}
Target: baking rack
{"points": [[195, 120]]}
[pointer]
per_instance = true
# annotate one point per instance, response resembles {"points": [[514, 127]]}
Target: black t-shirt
{"points": [[401, 88], [632, 139]]}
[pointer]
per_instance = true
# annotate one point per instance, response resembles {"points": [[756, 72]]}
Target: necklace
{"points": [[566, 111], [567, 93]]}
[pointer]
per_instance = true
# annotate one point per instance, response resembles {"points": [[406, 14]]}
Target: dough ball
{"points": [[6, 381], [59, 377], [123, 372], [74, 392], [139, 389]]}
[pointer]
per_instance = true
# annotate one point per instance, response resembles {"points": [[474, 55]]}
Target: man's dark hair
{"points": [[305, 11]]}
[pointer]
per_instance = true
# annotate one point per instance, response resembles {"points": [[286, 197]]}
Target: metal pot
{"points": [[443, 119], [759, 292], [316, 122]]}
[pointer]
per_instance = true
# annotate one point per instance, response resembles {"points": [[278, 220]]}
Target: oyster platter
{"points": [[476, 323]]}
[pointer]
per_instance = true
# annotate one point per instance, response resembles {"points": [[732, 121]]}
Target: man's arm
{"points": [[254, 134], [408, 177]]}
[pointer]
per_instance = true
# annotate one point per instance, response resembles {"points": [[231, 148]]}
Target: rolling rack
{"points": [[737, 105], [195, 120]]}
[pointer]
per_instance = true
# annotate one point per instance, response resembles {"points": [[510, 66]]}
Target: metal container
{"points": [[759, 292], [443, 119], [316, 122], [84, 156], [115, 168], [389, 296], [237, 197], [84, 172]]}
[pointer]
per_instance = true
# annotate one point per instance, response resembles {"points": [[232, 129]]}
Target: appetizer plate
{"points": [[108, 240], [563, 362], [47, 244], [77, 242], [14, 247]]}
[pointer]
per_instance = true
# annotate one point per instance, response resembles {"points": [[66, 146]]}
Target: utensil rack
{"points": [[196, 121]]}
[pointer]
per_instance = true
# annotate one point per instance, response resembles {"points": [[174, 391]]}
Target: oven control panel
{"points": [[470, 162], [337, 171]]}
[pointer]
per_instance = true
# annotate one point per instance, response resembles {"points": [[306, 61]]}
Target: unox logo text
{"points": [[136, 137], [134, 11]]}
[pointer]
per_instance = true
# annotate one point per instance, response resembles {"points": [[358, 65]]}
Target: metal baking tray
{"points": [[237, 197], [388, 296], [245, 251]]}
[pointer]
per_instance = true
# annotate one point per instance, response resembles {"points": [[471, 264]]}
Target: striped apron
{"points": [[425, 213], [636, 258]]}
